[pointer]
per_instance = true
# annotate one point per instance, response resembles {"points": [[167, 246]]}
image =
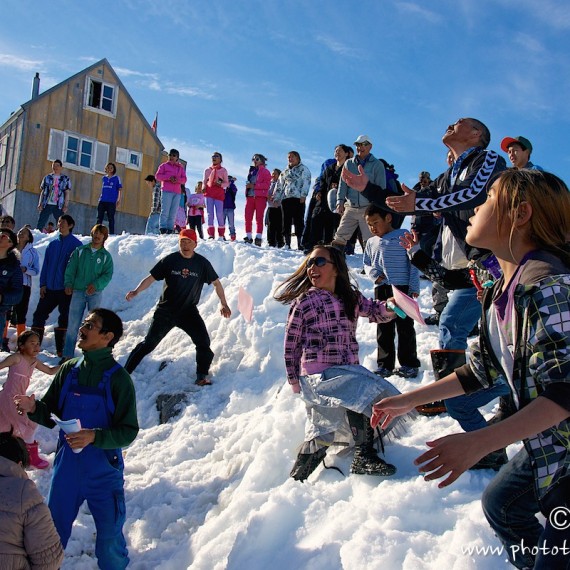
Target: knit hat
{"points": [[188, 234]]}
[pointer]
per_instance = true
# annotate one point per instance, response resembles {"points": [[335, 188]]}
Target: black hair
{"points": [[372, 209], [110, 322], [150, 178], [68, 219], [23, 337], [14, 448], [30, 234]]}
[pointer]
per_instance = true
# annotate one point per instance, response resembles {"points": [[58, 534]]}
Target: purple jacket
{"points": [[318, 333]]}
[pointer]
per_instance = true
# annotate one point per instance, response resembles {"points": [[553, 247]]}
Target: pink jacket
{"points": [[263, 182], [211, 189], [168, 169]]}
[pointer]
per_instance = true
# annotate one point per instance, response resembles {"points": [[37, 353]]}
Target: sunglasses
{"points": [[256, 159], [358, 145], [216, 156], [318, 261], [89, 325]]}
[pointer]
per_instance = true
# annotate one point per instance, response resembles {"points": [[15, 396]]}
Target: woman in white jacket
{"points": [[30, 262]]}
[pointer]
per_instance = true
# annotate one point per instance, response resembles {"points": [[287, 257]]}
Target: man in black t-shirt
{"points": [[184, 274]]}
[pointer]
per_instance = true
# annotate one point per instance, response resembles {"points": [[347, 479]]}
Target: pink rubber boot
{"points": [[35, 459]]}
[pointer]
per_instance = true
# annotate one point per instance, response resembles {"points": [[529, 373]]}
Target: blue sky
{"points": [[246, 76]]}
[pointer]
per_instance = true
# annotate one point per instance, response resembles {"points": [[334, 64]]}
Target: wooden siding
{"points": [[62, 108]]}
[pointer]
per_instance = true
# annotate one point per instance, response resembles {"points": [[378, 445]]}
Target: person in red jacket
{"points": [[256, 188], [215, 183]]}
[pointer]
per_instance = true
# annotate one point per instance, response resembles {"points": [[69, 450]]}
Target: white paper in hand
{"points": [[68, 426]]}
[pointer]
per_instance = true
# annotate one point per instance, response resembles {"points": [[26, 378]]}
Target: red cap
{"points": [[188, 234]]}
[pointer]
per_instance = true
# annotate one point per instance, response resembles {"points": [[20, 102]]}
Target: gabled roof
{"points": [[87, 70]]}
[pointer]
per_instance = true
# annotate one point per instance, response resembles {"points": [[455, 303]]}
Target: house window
{"points": [[101, 96], [3, 150], [130, 158], [77, 152]]}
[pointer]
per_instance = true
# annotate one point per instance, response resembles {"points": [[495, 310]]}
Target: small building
{"points": [[86, 121]]}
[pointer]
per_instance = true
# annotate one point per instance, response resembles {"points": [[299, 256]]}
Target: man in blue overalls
{"points": [[88, 465]]}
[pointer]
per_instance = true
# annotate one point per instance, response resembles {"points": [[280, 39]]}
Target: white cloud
{"points": [[338, 47], [20, 63], [418, 10]]}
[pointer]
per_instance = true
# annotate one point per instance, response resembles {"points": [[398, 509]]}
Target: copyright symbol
{"points": [[560, 518]]}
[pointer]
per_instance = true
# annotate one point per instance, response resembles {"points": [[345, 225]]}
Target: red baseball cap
{"points": [[188, 234]]}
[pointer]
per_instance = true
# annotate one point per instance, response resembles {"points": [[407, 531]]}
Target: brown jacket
{"points": [[28, 538]]}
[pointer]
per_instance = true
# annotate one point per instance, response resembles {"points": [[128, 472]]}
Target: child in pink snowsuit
{"points": [[21, 366]]}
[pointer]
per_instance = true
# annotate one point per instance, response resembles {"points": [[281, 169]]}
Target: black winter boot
{"points": [[506, 408], [366, 460], [40, 332], [306, 463], [59, 335], [444, 362]]}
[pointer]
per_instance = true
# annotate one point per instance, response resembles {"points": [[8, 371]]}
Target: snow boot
{"points": [[35, 459], [444, 362], [506, 408], [366, 460], [306, 463], [40, 332], [59, 335]]}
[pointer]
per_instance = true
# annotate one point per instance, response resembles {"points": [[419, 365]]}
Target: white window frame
{"points": [[125, 156], [3, 150], [89, 81], [58, 145]]}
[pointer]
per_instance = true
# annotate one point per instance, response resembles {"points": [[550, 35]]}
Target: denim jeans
{"points": [[460, 315], [464, 408], [169, 206], [152, 224], [79, 300], [229, 215], [48, 210], [510, 505]]}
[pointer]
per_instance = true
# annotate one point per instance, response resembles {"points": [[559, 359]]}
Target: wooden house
{"points": [[86, 121]]}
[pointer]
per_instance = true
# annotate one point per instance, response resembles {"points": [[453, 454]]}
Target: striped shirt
{"points": [[384, 256]]}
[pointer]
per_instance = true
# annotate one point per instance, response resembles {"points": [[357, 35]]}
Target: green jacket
{"points": [[86, 266], [125, 425]]}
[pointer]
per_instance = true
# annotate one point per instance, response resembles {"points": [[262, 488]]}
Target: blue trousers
{"points": [[460, 315], [79, 301], [152, 224], [510, 505], [170, 202], [465, 410], [48, 210]]}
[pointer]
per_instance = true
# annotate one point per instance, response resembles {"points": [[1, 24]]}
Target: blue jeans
{"points": [[458, 318], [169, 206], [229, 215], [79, 300], [48, 210], [510, 505], [464, 408], [152, 224]]}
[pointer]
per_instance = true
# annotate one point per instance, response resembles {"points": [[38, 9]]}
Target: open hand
{"points": [[408, 240], [358, 181], [405, 203]]}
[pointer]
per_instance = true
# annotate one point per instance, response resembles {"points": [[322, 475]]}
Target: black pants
{"points": [[110, 208], [293, 213], [275, 227], [162, 323], [195, 223], [51, 300], [386, 334], [20, 310], [323, 228]]}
